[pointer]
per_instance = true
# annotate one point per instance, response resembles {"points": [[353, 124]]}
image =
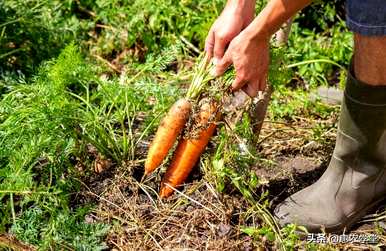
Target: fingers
{"points": [[223, 64], [252, 88], [219, 46], [215, 44], [209, 44], [238, 83]]}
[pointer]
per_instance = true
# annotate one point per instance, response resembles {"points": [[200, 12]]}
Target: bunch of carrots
{"points": [[189, 148]]}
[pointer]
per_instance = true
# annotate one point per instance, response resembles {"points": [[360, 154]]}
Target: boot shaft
{"points": [[363, 120]]}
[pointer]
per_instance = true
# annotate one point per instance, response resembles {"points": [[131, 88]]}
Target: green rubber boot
{"points": [[355, 179]]}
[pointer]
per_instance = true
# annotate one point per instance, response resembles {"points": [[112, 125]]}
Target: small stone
{"points": [[89, 219], [223, 229], [189, 209], [328, 95]]}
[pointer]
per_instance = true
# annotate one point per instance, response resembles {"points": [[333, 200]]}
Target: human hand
{"points": [[250, 57], [234, 18]]}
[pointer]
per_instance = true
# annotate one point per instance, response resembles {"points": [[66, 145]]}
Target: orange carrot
{"points": [[189, 150], [167, 133]]}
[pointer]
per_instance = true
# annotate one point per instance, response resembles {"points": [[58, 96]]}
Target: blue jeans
{"points": [[366, 17]]}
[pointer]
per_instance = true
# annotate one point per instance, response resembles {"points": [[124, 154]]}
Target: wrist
{"points": [[257, 32]]}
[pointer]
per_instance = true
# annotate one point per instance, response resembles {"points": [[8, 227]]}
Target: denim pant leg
{"points": [[366, 17]]}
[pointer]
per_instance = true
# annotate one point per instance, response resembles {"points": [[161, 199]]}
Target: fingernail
{"points": [[216, 61], [213, 72]]}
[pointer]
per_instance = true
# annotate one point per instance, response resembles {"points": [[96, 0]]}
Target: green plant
{"points": [[37, 134], [59, 228], [231, 166], [318, 56], [35, 30], [287, 103], [45, 125], [110, 111], [149, 25]]}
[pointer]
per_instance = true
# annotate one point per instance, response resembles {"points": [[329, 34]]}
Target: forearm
{"points": [[240, 5], [273, 16]]}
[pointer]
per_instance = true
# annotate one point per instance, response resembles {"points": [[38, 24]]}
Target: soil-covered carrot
{"points": [[189, 150], [172, 125], [167, 133]]}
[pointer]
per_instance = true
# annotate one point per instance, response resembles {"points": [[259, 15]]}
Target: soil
{"points": [[202, 218]]}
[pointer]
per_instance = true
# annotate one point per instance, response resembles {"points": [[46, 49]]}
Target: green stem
{"points": [[200, 78], [10, 53], [9, 22], [12, 208], [316, 61]]}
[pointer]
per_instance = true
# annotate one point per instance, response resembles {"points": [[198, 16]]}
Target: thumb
{"points": [[223, 64]]}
